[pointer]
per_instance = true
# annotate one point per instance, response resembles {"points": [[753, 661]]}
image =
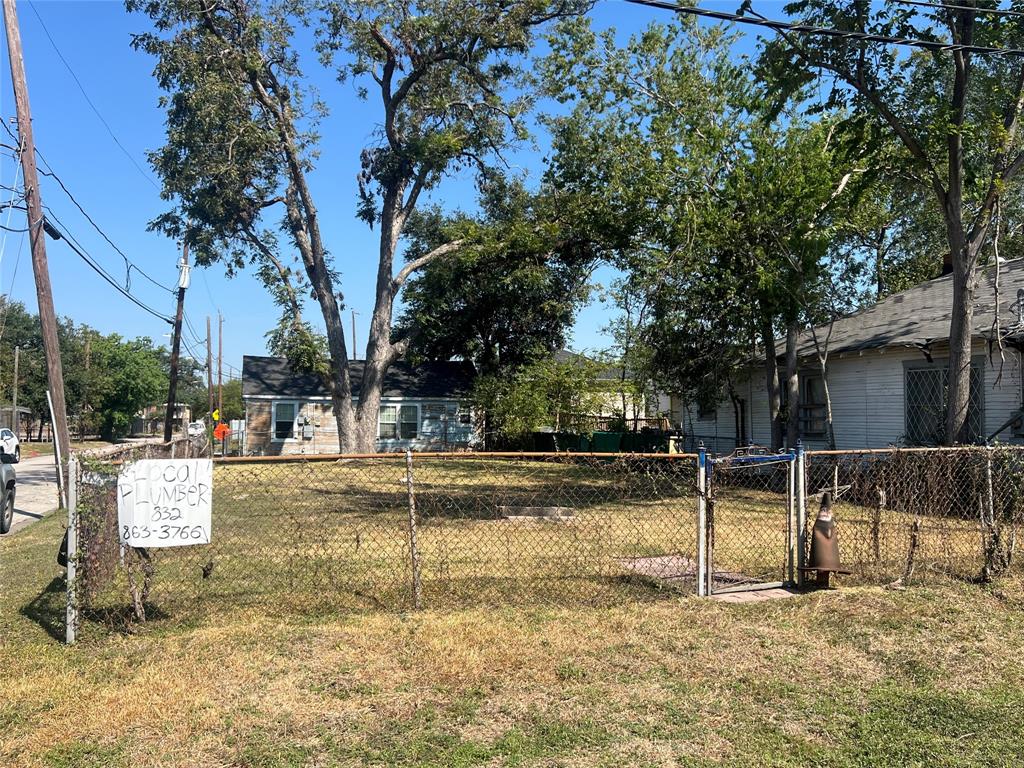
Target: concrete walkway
{"points": [[36, 490]]}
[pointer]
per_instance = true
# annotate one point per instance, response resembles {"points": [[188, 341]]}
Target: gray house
{"points": [[423, 408], [886, 374]]}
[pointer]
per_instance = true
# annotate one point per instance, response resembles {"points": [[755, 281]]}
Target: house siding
{"points": [[432, 434], [868, 402]]}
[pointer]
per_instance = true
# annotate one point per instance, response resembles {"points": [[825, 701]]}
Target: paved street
{"points": [[37, 490]]}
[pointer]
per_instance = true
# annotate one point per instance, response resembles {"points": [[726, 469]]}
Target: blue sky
{"points": [[94, 38]]}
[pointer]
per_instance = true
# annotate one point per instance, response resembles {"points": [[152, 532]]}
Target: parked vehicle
{"points": [[7, 482], [10, 443], [196, 428]]}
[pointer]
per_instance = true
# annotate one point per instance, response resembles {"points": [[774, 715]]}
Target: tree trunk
{"points": [[957, 428], [771, 370], [792, 385]]}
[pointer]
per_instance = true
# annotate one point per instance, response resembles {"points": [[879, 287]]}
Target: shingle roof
{"points": [[921, 314], [605, 373], [263, 375]]}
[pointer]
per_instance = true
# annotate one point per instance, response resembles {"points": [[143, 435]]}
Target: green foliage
{"points": [[107, 379], [560, 395], [133, 378], [510, 295]]}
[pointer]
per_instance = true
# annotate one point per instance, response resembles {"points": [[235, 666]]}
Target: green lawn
{"points": [[860, 676]]}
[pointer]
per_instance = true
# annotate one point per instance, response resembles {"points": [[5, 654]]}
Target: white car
{"points": [[196, 428], [10, 443]]}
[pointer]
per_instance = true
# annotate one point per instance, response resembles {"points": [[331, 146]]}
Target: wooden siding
{"points": [[324, 439], [868, 405]]}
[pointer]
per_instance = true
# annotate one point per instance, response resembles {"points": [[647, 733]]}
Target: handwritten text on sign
{"points": [[165, 502]]}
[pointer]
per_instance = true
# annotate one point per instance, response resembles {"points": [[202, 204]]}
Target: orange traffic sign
{"points": [[221, 431]]}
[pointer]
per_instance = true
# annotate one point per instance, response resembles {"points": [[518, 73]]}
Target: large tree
{"points": [[954, 110], [509, 297], [242, 143]]}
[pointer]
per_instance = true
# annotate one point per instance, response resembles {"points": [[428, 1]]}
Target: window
{"points": [[925, 388], [285, 413], [813, 415], [398, 421]]}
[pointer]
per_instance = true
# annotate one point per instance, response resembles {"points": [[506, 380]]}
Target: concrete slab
{"points": [[755, 595]]}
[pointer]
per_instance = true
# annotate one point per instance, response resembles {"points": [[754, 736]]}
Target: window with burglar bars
{"points": [[813, 416], [926, 394]]}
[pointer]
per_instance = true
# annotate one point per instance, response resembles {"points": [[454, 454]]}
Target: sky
{"points": [[98, 151]]}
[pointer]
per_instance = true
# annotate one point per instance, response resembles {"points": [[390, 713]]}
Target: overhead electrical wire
{"points": [[955, 7], [129, 264], [786, 26], [81, 88], [80, 251]]}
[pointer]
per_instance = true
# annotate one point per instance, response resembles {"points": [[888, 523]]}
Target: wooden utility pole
{"points": [[220, 364], [172, 393], [209, 369], [15, 421], [37, 237]]}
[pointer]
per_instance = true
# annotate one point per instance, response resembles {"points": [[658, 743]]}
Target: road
{"points": [[37, 490]]}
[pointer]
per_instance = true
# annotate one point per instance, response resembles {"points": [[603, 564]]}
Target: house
{"points": [[150, 420], [617, 396], [423, 407], [886, 374]]}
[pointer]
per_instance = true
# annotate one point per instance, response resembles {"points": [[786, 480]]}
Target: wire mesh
{"points": [[905, 514], [463, 529], [748, 514], [312, 535]]}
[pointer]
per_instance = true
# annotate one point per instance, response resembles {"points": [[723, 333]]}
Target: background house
{"points": [[150, 420], [423, 407], [886, 374]]}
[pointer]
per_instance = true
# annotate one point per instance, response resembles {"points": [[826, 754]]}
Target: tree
{"points": [[507, 299], [134, 378], [560, 395], [241, 143], [735, 211], [956, 113]]}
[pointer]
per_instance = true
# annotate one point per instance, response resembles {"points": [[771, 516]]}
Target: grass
{"points": [[283, 657], [329, 536], [861, 676]]}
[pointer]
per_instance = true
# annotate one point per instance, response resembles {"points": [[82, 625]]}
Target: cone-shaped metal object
{"points": [[825, 544]]}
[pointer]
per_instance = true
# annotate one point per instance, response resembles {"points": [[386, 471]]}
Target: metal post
{"points": [[791, 514], [58, 458], [702, 518], [71, 617], [413, 549], [801, 513]]}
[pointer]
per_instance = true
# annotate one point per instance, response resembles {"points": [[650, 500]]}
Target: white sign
{"points": [[165, 502]]}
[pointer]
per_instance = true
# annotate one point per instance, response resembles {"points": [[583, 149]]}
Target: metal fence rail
{"points": [[315, 534]]}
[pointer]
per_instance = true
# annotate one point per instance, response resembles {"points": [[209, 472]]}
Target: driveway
{"points": [[37, 490]]}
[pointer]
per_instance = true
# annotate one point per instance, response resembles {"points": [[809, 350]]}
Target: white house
{"points": [[886, 374]]}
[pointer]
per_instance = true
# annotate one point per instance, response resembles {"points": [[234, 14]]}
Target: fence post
{"points": [[71, 616], [702, 519], [413, 550], [801, 512]]}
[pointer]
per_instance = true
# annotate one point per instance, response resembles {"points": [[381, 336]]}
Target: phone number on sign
{"points": [[163, 532]]}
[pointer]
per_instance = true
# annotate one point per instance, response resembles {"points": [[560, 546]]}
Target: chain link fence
{"points": [[398, 532], [919, 512]]}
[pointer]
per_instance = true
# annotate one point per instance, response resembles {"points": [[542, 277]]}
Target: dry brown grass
{"points": [[860, 676]]}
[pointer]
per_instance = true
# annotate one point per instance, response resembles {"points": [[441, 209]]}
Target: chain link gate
{"points": [[750, 520]]}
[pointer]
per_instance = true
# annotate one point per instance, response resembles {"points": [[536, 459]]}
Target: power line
{"points": [[88, 100], [98, 269], [952, 7], [785, 26], [128, 263]]}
